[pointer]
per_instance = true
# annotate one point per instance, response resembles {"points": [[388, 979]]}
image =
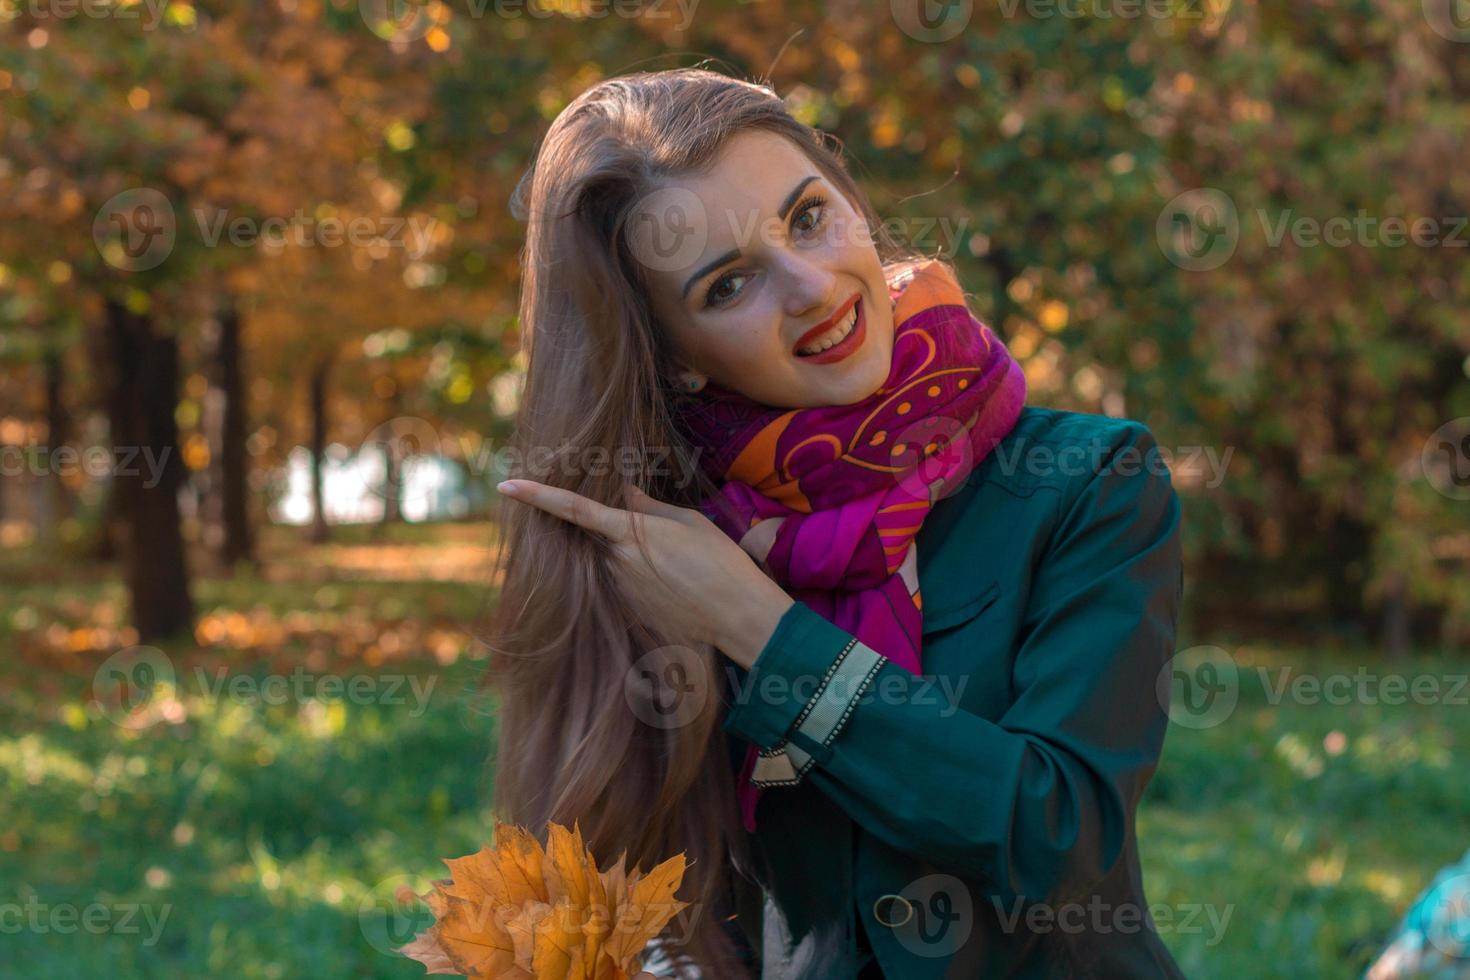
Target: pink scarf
{"points": [[853, 482]]}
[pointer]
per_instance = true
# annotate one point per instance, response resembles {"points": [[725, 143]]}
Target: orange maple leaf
{"points": [[517, 912]]}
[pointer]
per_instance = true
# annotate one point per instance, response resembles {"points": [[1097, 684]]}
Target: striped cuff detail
{"points": [[823, 718], [782, 766]]}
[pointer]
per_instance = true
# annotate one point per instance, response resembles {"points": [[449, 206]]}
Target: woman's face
{"points": [[758, 262]]}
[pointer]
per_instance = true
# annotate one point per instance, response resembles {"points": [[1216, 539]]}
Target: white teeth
{"points": [[833, 336]]}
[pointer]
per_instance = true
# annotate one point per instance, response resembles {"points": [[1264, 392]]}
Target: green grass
{"points": [[261, 831], [1315, 854], [240, 837], [272, 836]]}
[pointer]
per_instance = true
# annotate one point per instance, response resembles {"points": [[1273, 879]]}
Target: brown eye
{"points": [[718, 295], [812, 208]]}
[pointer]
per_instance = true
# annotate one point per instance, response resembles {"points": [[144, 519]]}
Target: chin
{"points": [[863, 382]]}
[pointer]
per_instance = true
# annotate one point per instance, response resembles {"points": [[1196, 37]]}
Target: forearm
{"points": [[746, 618]]}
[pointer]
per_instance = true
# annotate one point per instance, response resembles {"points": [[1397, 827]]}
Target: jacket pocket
{"points": [[948, 617]]}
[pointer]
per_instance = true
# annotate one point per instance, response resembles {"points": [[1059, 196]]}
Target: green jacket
{"points": [[984, 810]]}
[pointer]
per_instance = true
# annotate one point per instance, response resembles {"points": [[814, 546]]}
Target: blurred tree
{"points": [[1042, 149]]}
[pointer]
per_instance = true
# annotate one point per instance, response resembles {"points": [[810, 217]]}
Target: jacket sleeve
{"points": [[1037, 803]]}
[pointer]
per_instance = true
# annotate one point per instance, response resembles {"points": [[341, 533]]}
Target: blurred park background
{"points": [[259, 353]]}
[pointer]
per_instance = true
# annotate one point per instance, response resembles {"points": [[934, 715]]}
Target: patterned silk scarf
{"points": [[854, 482]]}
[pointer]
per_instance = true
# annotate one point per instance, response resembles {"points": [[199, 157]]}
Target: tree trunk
{"points": [[318, 397], [107, 544], [1347, 543], [1397, 633], [392, 477], [148, 471], [237, 543], [58, 500], [392, 462]]}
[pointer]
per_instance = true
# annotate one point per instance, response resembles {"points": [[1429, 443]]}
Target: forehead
{"points": [[748, 179], [692, 221], [750, 162]]}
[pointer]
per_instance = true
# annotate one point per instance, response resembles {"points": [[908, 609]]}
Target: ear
{"points": [[692, 382], [686, 378]]}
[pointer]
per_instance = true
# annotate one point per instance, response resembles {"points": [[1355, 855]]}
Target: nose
{"points": [[807, 285]]}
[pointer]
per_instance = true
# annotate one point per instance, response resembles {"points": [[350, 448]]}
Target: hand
{"points": [[696, 584]]}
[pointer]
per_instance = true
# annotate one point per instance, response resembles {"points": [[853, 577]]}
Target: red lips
{"points": [[825, 325]]}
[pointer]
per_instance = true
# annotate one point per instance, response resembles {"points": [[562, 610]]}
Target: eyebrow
{"points": [[734, 253]]}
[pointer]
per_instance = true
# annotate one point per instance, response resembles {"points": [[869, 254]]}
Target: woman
{"points": [[703, 280]]}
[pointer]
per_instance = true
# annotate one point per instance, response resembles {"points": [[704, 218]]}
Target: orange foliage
{"points": [[518, 912]]}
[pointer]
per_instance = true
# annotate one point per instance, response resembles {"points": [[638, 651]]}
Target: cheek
{"points": [[754, 333], [852, 237]]}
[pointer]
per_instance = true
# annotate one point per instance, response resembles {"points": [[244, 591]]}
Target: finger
{"points": [[569, 506], [759, 540], [644, 504]]}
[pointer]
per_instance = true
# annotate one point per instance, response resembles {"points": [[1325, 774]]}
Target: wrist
{"points": [[750, 620]]}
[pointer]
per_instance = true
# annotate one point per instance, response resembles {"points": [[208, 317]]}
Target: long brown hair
{"points": [[599, 386]]}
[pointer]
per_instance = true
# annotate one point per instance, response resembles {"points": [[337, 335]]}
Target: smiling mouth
{"points": [[833, 341]]}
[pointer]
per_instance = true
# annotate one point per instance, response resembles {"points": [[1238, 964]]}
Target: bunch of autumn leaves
{"points": [[518, 912]]}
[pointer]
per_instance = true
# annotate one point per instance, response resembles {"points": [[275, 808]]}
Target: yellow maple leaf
{"points": [[517, 911]]}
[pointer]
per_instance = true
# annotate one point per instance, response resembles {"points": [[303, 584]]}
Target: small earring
{"points": [[694, 384]]}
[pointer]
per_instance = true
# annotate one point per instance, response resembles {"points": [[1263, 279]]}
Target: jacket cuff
{"points": [[798, 695]]}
